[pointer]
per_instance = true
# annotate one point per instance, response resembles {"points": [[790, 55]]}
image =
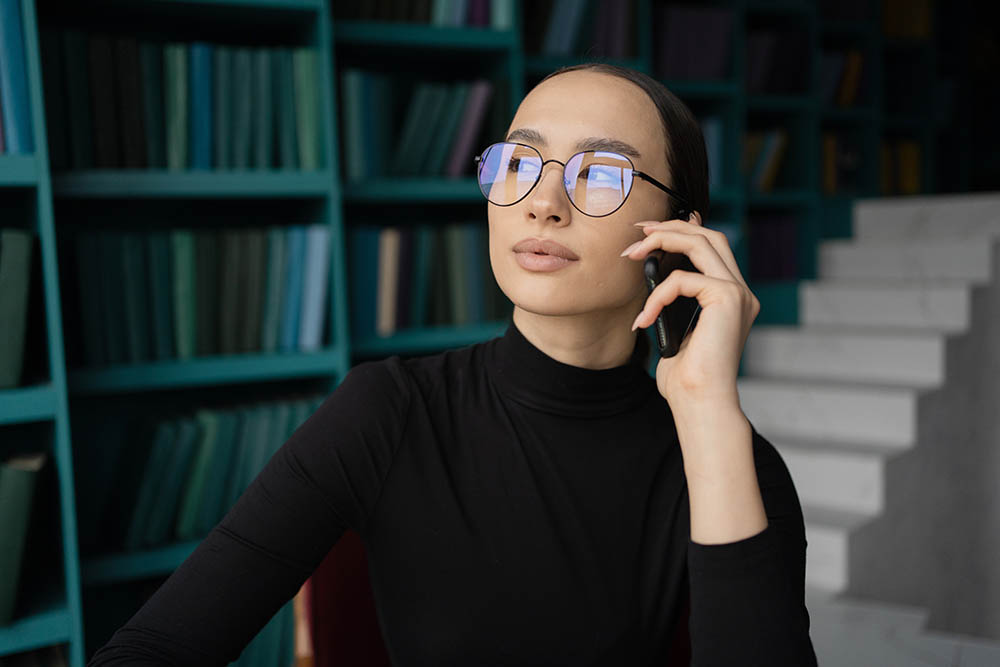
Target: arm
{"points": [[746, 556], [323, 480]]}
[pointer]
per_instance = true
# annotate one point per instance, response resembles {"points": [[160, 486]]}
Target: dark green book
{"points": [[215, 496], [274, 284], [78, 99], [113, 297], [198, 480], [263, 116], [163, 517], [150, 483], [160, 294], [175, 92], [131, 129], [223, 106], [137, 316], [241, 454], [284, 108], [153, 101], [242, 108], [18, 477], [183, 270], [104, 102], [206, 291], [88, 278], [305, 63], [253, 292], [230, 275], [15, 274]]}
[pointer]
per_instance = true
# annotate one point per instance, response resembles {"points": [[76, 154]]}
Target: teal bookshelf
{"points": [[63, 202]]}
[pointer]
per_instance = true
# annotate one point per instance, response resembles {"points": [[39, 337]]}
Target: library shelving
{"points": [[71, 193]]}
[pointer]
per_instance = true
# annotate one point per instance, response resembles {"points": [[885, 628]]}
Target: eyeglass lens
{"points": [[597, 182]]}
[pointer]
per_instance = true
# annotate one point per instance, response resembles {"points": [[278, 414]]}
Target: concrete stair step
{"points": [[915, 261], [844, 476], [879, 415], [850, 632], [927, 216], [907, 358], [941, 307], [828, 533]]}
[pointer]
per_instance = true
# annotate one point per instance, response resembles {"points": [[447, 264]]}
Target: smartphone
{"points": [[677, 319]]}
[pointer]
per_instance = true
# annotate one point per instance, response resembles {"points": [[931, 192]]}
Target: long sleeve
{"points": [[325, 479], [748, 597]]}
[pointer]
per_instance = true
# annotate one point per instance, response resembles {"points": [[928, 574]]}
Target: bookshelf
{"points": [[61, 203]]}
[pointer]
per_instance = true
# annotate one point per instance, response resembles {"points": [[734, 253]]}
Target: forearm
{"points": [[725, 499]]}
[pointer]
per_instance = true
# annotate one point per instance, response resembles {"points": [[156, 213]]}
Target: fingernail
{"points": [[636, 322], [645, 223], [630, 248]]}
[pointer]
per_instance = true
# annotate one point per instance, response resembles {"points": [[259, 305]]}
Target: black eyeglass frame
{"points": [[685, 207]]}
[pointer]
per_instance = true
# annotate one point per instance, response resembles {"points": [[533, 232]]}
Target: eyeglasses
{"points": [[597, 182]]}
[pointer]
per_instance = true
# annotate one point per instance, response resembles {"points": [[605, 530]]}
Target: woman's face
{"points": [[559, 113]]}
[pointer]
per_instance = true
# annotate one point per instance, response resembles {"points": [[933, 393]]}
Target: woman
{"points": [[538, 498]]}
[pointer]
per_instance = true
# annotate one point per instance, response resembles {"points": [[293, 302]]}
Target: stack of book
{"points": [[163, 480], [773, 246], [405, 277], [117, 102], [18, 477], [594, 28], [15, 118], [842, 77], [494, 14], [15, 273], [437, 133], [763, 152], [183, 293], [693, 42]]}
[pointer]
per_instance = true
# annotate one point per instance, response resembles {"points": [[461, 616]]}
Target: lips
{"points": [[544, 247]]}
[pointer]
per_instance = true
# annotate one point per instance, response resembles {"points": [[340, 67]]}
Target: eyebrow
{"points": [[588, 144]]}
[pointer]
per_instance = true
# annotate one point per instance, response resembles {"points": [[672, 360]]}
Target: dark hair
{"points": [[687, 160]]}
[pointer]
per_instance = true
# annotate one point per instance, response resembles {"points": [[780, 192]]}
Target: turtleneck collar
{"points": [[525, 374]]}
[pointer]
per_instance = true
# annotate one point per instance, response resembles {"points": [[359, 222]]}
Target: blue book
{"points": [[14, 81], [295, 248], [363, 267], [315, 287], [200, 99]]}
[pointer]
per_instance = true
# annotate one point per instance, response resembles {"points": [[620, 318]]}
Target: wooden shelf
{"points": [[428, 339], [18, 171], [380, 191], [28, 404], [375, 33], [47, 621]]}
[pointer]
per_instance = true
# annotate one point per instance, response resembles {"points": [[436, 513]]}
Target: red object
{"points": [[345, 625]]}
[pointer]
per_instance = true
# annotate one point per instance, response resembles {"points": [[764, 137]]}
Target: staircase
{"points": [[885, 406]]}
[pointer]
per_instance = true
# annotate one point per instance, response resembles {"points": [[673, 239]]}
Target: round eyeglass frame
{"points": [[478, 159]]}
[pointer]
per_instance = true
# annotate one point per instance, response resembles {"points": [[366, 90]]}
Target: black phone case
{"points": [[676, 319]]}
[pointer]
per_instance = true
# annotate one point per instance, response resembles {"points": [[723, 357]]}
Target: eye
{"points": [[594, 173]]}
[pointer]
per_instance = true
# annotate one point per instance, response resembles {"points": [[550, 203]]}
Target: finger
{"points": [[705, 289], [718, 240], [696, 246]]}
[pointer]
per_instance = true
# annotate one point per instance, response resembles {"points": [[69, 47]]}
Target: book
{"points": [[460, 161], [273, 289], [133, 263], [56, 110], [160, 297], [305, 63], [153, 103], [284, 108], [78, 99], [206, 250], [183, 274], [242, 107], [104, 102], [388, 281], [15, 272], [18, 478], [175, 93], [15, 111], [131, 129], [263, 116], [200, 115], [315, 287], [295, 246], [222, 106], [255, 265]]}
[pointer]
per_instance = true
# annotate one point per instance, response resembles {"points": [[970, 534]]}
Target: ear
{"points": [[695, 219]]}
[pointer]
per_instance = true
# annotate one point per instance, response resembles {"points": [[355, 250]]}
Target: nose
{"points": [[549, 199]]}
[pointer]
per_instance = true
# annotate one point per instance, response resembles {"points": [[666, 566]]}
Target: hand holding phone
{"points": [[677, 319]]}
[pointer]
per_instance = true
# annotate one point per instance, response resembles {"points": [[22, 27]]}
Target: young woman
{"points": [[538, 499]]}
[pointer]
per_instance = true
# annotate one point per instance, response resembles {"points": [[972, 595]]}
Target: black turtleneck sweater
{"points": [[515, 510]]}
